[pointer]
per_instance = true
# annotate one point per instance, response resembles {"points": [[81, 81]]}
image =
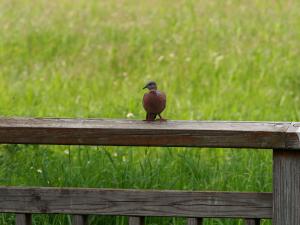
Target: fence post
{"points": [[79, 220], [194, 221], [136, 220], [252, 221], [23, 219], [286, 187]]}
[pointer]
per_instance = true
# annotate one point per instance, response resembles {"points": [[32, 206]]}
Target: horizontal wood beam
{"points": [[142, 133], [135, 202]]}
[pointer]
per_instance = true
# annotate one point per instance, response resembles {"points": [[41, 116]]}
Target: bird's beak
{"points": [[145, 87]]}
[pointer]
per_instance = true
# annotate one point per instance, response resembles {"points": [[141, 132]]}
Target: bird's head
{"points": [[151, 85]]}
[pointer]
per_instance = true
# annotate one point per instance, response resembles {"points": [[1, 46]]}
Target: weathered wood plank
{"points": [[135, 202], [194, 221], [23, 219], [79, 220], [293, 136], [286, 187], [136, 220], [141, 133], [252, 221]]}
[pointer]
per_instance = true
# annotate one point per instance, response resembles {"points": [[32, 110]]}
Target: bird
{"points": [[154, 102]]}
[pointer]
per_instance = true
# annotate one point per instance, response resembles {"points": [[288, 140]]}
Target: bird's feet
{"points": [[161, 119], [148, 120], [150, 117]]}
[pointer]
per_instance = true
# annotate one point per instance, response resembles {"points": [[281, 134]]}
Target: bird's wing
{"points": [[145, 101]]}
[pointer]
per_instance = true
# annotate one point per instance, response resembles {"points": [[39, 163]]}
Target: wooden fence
{"points": [[283, 206]]}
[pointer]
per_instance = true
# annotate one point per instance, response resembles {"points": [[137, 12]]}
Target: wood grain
{"points": [[142, 133], [135, 202], [293, 136], [194, 221], [286, 187], [23, 219], [79, 220], [252, 221], [136, 220]]}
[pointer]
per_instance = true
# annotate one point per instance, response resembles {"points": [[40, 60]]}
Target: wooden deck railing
{"points": [[282, 206]]}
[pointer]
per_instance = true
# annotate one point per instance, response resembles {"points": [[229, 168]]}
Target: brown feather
{"points": [[154, 103]]}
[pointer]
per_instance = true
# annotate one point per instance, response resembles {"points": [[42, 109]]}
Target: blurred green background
{"points": [[216, 60]]}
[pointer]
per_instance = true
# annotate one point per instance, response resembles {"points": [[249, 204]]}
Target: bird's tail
{"points": [[151, 116]]}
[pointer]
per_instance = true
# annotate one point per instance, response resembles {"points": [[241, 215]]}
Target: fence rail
{"points": [[282, 206], [141, 133], [136, 202]]}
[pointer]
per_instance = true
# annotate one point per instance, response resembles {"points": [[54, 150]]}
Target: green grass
{"points": [[216, 60]]}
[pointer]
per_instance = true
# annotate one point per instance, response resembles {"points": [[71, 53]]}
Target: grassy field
{"points": [[216, 60]]}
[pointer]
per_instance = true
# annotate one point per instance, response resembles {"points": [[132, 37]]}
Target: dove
{"points": [[154, 102]]}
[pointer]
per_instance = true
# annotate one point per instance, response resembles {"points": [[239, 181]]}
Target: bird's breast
{"points": [[154, 102]]}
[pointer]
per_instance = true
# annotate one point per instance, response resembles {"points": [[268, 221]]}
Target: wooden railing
{"points": [[282, 206]]}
